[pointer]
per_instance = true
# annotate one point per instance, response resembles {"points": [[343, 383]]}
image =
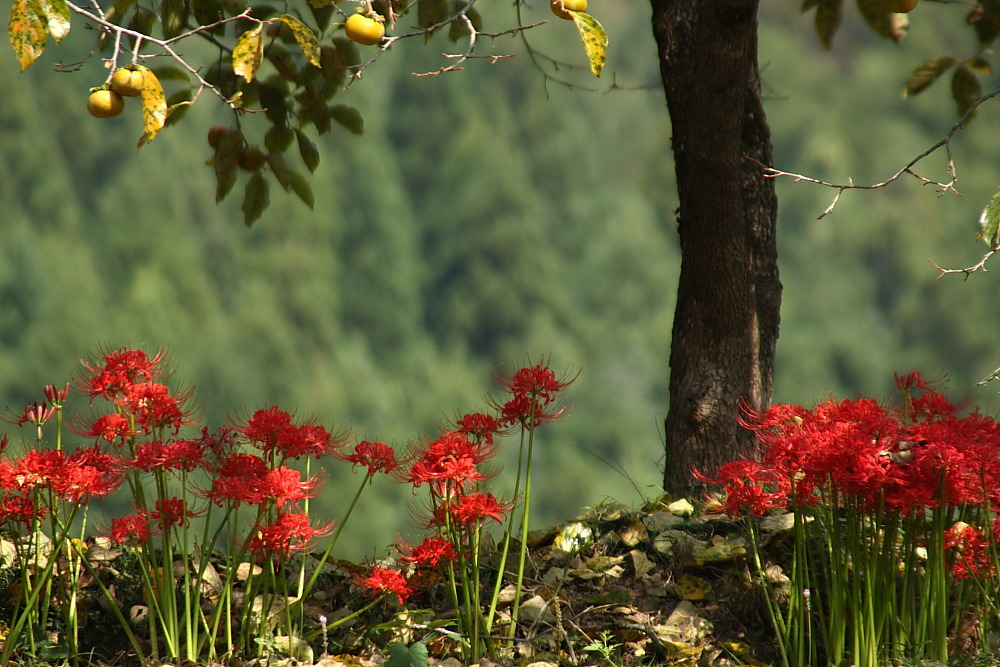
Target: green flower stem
{"points": [[333, 539], [525, 514]]}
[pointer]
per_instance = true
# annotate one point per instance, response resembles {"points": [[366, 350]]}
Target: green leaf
{"points": [[226, 163], [26, 31], [926, 73], [985, 19], [304, 37], [278, 138], [884, 23], [177, 106], [965, 90], [349, 117], [828, 16], [307, 150], [300, 186], [432, 12], [401, 656], [276, 161], [169, 73], [595, 40], [989, 222], [154, 106], [173, 17], [248, 52], [256, 198]]}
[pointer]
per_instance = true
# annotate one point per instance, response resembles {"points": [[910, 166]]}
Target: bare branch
{"points": [[968, 271]]}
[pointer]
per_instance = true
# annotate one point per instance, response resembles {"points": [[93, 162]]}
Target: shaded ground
{"points": [[662, 585]]}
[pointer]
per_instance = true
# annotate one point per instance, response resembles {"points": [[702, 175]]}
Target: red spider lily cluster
{"points": [[138, 440], [890, 491], [909, 458]]}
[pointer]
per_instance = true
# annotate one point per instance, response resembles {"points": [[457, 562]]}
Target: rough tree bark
{"points": [[729, 295]]}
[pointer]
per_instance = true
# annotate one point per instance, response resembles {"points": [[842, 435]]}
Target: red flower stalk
{"points": [[377, 456], [386, 580], [427, 554], [289, 533]]}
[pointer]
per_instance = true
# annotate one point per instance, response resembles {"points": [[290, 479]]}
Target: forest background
{"points": [[491, 216]]}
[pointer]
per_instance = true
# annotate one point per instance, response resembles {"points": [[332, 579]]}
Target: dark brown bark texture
{"points": [[729, 294]]}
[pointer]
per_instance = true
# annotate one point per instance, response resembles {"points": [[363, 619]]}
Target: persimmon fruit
{"points": [[364, 29], [562, 9], [104, 103], [127, 82]]}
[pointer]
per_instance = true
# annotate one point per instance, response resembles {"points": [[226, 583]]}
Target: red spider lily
{"points": [[273, 432], [377, 456], [113, 428], [480, 427], [533, 390], [130, 529], [970, 551], [289, 533], [36, 413], [18, 509], [87, 473], [120, 370], [154, 407], [451, 459], [386, 580], [186, 455], [55, 395], [428, 554], [750, 487], [247, 479], [472, 509], [171, 512]]}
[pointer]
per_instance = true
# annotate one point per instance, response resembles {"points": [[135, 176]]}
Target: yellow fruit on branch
{"points": [[104, 103], [127, 82], [562, 8], [364, 29]]}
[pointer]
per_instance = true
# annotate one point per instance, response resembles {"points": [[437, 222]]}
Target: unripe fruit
{"points": [[127, 82], [252, 159], [563, 9], [215, 134], [364, 29], [105, 103], [898, 6]]}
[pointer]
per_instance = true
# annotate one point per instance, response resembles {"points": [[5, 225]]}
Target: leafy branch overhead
{"points": [[283, 62], [890, 19]]}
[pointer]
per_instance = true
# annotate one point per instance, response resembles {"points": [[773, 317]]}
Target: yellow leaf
{"points": [[154, 106], [692, 588], [595, 40], [248, 52], [304, 37], [27, 31]]}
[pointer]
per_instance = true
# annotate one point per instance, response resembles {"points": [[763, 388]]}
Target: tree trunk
{"points": [[729, 295]]}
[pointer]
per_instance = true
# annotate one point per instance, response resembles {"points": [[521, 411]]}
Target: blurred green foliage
{"points": [[486, 217]]}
